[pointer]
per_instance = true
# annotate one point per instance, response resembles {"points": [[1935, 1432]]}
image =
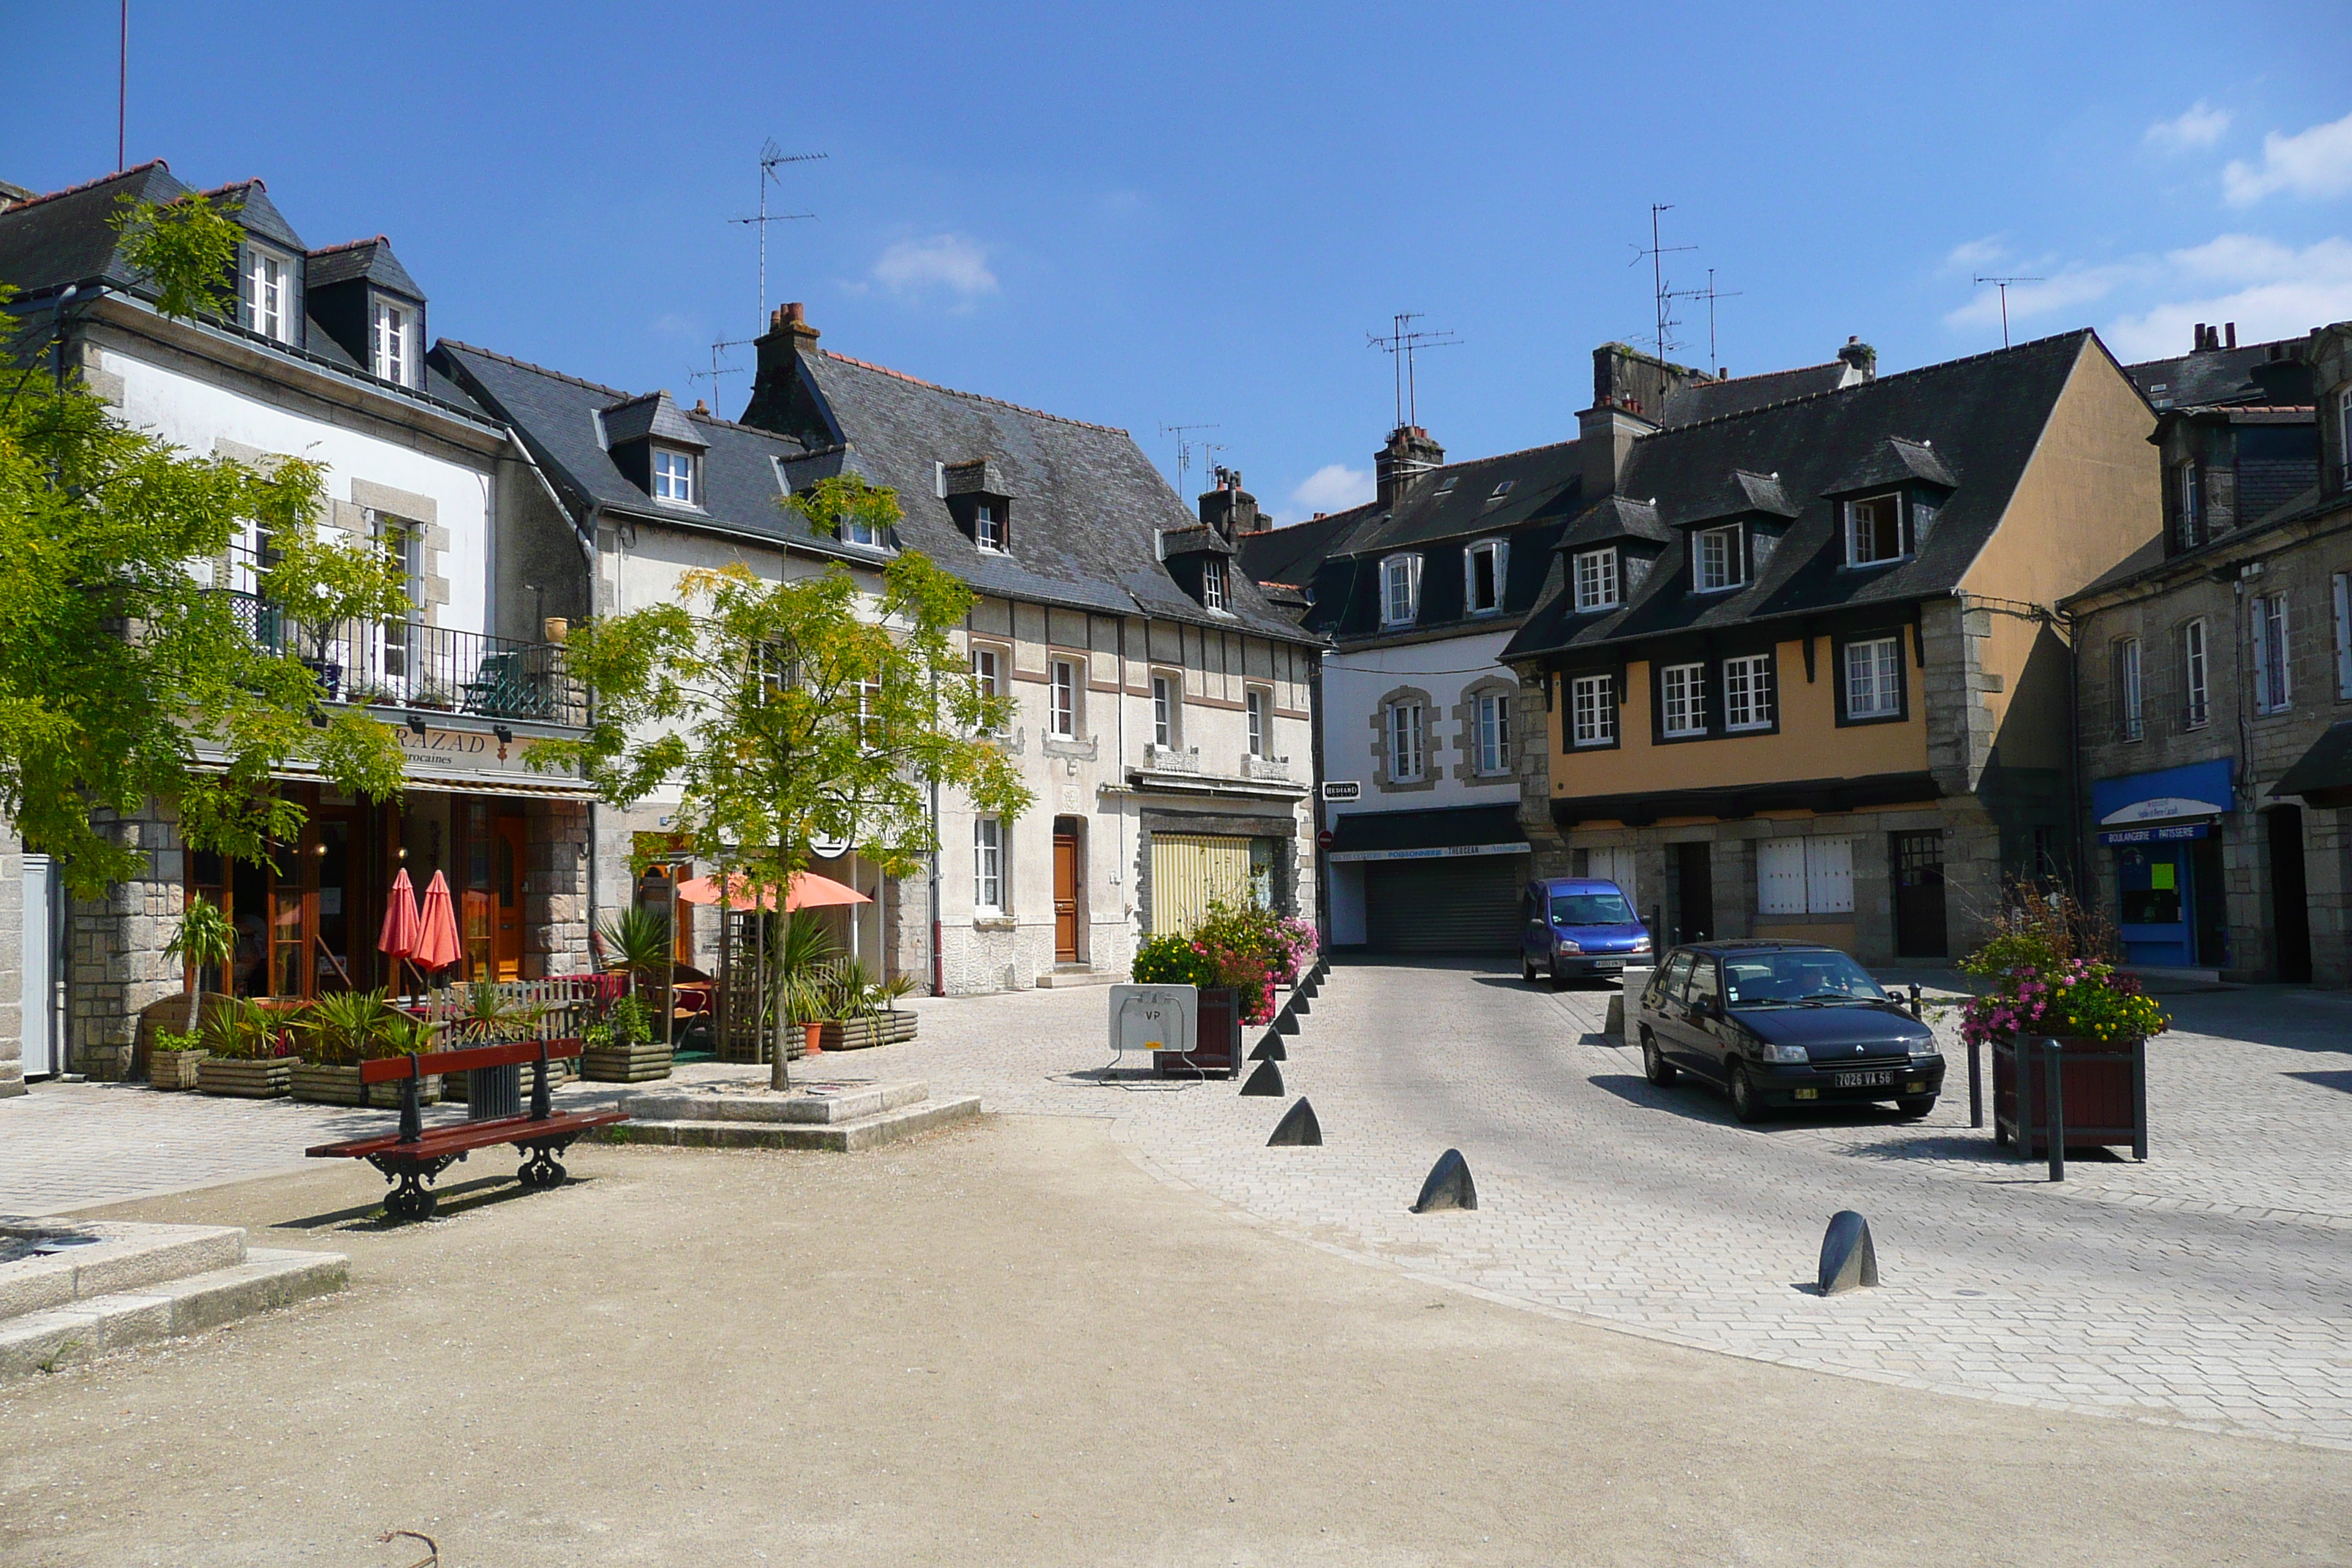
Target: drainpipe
{"points": [[2078, 847]]}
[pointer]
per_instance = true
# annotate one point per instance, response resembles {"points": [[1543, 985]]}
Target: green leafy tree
{"points": [[124, 675], [786, 713]]}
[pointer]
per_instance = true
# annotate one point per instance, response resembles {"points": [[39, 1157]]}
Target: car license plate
{"points": [[1863, 1079], [1608, 966]]}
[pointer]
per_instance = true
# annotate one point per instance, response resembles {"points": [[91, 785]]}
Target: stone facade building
{"points": [[1829, 699], [2215, 687]]}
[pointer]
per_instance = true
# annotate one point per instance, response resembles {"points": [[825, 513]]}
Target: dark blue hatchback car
{"points": [[1578, 926]]}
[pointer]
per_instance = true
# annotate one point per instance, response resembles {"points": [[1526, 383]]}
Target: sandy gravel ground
{"points": [[1006, 1345]]}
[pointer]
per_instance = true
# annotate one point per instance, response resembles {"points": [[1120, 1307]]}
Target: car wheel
{"points": [[1745, 1105], [1655, 1065], [1527, 969], [1915, 1107], [1559, 981]]}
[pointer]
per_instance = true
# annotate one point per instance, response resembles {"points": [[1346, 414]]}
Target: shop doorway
{"points": [[1690, 872], [506, 944], [2290, 913], [1068, 877], [1918, 868]]}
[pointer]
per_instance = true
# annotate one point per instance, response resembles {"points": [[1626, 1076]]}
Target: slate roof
{"points": [[1085, 504], [1893, 461], [640, 418], [258, 212], [1983, 416], [1618, 517], [371, 259], [1689, 403], [2272, 373]]}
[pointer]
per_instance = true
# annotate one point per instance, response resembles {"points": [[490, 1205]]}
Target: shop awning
{"points": [[1430, 835], [2193, 792], [2322, 776]]}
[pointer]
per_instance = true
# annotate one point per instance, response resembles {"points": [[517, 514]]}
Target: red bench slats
{"points": [[391, 1069], [467, 1135]]}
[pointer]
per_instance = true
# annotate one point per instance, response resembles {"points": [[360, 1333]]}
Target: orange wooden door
{"points": [[1066, 898], [506, 885]]}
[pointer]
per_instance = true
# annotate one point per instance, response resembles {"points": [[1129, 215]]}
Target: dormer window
{"points": [[1400, 590], [393, 343], [1212, 582], [266, 294], [1482, 588], [1445, 485], [1717, 561], [1500, 491], [1596, 581], [988, 525], [674, 477], [1873, 530]]}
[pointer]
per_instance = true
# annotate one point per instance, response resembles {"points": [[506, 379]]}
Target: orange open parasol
{"points": [[808, 890], [437, 942]]}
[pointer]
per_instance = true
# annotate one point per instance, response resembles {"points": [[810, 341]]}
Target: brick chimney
{"points": [[1410, 453], [1229, 509], [1861, 362], [778, 401]]}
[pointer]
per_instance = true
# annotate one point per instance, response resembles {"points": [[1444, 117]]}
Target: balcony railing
{"points": [[423, 668]]}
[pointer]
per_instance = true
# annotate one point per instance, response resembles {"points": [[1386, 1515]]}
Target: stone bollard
{"points": [[1848, 1257], [1265, 1082], [1270, 1050], [1298, 1128], [1449, 1186]]}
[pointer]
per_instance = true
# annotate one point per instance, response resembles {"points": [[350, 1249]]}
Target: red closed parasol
{"points": [[401, 924], [436, 943], [808, 892]]}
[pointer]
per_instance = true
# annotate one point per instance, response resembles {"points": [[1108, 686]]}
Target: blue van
{"points": [[1578, 926]]}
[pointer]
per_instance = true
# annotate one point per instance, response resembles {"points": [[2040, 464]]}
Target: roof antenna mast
{"points": [[1657, 253], [2002, 284], [123, 95], [1400, 342], [771, 157], [1185, 448], [717, 369], [1710, 294]]}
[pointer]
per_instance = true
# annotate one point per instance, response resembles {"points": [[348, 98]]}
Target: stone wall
{"points": [[115, 945], [555, 889]]}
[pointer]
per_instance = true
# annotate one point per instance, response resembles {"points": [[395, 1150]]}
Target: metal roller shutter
{"points": [[1465, 905], [1190, 870]]}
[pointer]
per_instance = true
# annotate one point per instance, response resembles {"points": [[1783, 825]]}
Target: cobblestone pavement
{"points": [[2210, 1287]]}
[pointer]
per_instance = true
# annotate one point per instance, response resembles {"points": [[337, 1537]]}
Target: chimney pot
{"points": [[2229, 330], [701, 408], [2199, 346]]}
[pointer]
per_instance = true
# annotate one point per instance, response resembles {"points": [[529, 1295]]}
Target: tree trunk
{"points": [[780, 1072]]}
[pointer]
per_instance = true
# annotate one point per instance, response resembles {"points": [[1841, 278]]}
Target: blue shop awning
{"points": [[2196, 791]]}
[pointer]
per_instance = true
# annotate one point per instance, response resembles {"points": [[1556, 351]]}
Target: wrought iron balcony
{"points": [[417, 668]]}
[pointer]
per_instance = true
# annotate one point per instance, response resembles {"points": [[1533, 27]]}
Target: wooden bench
{"points": [[416, 1156]]}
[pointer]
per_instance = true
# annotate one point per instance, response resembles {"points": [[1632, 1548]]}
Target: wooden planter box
{"points": [[624, 1064], [319, 1085], [265, 1079], [173, 1070], [858, 1034], [2102, 1086], [1218, 1047], [744, 1049]]}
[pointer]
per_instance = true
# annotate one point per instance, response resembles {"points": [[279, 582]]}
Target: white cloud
{"points": [[1334, 487], [2199, 126], [2061, 290], [954, 264], [1976, 253], [2270, 290], [2314, 162]]}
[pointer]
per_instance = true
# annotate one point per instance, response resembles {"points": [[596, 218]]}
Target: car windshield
{"points": [[1591, 910], [1791, 979]]}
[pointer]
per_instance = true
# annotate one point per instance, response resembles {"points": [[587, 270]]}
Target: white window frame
{"points": [[1747, 693], [1408, 743], [1167, 712], [987, 526], [988, 671], [1872, 677], [1491, 717], [2189, 527], [268, 297], [1062, 699], [2195, 707], [1861, 544], [1597, 581], [1682, 701], [391, 332], [2131, 713], [857, 531], [1804, 876], [1400, 590], [2273, 669], [2344, 433], [674, 477], [1498, 552], [404, 543], [1212, 582], [1592, 711], [989, 839], [1257, 713], [1733, 562], [2341, 583]]}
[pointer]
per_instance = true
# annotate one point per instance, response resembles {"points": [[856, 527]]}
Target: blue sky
{"points": [[1195, 214]]}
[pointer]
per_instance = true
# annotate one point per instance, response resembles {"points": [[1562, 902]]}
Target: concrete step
{"points": [[1061, 979], [834, 1137], [52, 1263], [854, 1102], [94, 1325]]}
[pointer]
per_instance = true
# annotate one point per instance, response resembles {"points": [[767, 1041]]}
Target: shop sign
{"points": [[1343, 789], [1446, 853], [2200, 789], [2157, 835], [471, 752]]}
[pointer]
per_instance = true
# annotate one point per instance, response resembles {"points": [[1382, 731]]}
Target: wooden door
{"points": [[1065, 892], [507, 879], [1919, 931]]}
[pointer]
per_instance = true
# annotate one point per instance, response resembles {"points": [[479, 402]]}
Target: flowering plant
{"points": [[1172, 959], [2076, 996]]}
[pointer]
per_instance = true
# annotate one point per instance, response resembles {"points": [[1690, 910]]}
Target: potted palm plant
{"points": [[865, 1011], [345, 1028], [621, 1047], [245, 1051]]}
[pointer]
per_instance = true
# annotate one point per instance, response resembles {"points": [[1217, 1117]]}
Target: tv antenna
{"points": [[772, 157], [1400, 342], [1657, 253], [1710, 294], [1185, 448], [717, 369], [2002, 284]]}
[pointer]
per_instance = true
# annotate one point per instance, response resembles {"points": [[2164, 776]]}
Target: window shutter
{"points": [[2260, 613], [1829, 876], [2343, 634], [2285, 693], [1780, 876]]}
